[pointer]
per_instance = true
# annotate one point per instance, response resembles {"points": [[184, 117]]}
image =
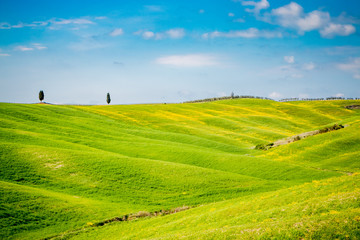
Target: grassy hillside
{"points": [[327, 209], [63, 167]]}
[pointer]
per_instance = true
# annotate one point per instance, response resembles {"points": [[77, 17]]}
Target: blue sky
{"points": [[174, 51]]}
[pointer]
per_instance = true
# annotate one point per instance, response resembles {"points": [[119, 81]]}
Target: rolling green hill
{"points": [[65, 168]]}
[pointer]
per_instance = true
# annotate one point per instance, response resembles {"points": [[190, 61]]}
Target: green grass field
{"points": [[64, 168]]}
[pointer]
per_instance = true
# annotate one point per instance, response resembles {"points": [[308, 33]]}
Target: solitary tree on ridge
{"points": [[108, 99], [41, 95]]}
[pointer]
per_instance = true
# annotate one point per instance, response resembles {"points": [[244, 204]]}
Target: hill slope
{"points": [[65, 166]]}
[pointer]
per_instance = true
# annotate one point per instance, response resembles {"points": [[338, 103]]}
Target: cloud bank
{"points": [[248, 33], [292, 16]]}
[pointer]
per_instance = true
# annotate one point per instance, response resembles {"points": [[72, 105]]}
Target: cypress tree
{"points": [[108, 99], [41, 95]]}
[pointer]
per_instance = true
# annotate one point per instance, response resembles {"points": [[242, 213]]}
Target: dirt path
{"points": [[295, 138], [299, 137]]}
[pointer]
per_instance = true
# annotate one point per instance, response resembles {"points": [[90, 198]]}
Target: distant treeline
{"points": [[226, 97], [316, 99], [257, 97]]}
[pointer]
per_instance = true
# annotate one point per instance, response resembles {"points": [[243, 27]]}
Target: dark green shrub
{"points": [[264, 146]]}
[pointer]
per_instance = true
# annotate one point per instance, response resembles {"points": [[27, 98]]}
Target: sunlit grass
{"points": [[325, 209], [65, 166]]}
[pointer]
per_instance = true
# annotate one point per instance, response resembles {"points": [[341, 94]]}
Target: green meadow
{"points": [[65, 168]]}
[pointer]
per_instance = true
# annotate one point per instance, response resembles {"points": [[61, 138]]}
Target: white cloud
{"points": [[292, 10], [258, 6], [5, 25], [249, 33], [231, 14], [201, 11], [289, 59], [23, 48], [148, 34], [333, 30], [116, 32], [4, 55], [314, 20], [309, 66], [339, 95], [19, 25], [54, 23], [275, 95], [71, 21], [352, 66], [191, 60], [139, 32], [176, 33], [293, 16], [39, 46], [35, 46]]}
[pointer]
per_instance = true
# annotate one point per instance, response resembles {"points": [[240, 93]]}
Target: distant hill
{"points": [[65, 168]]}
